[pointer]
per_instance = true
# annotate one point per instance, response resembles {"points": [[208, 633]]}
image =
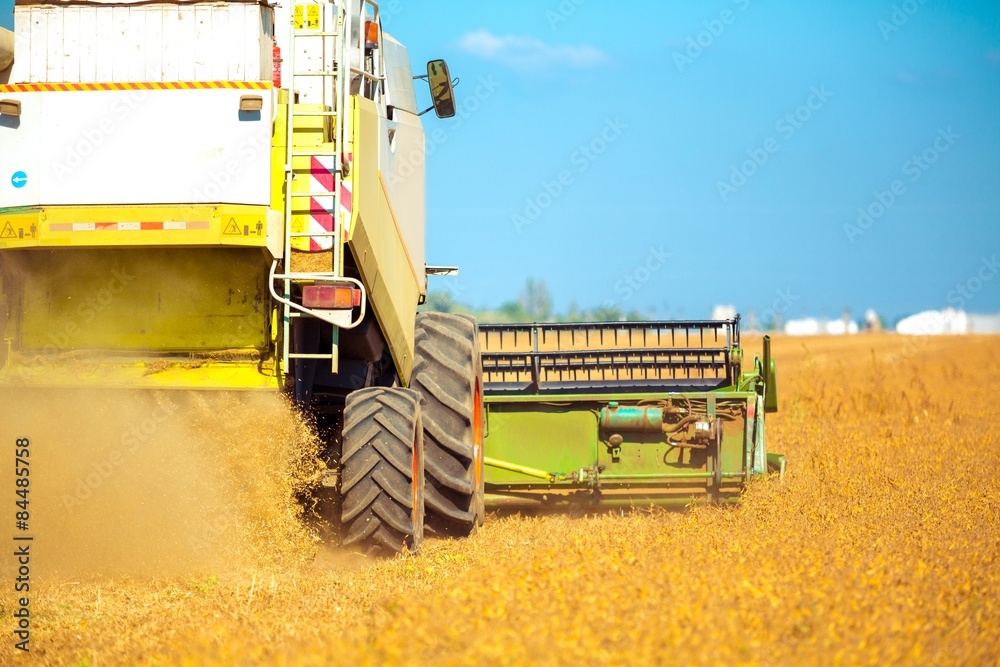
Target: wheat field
{"points": [[881, 546]]}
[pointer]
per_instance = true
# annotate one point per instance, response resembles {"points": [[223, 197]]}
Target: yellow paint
{"points": [[133, 85], [140, 299], [246, 229], [47, 226], [151, 374], [312, 133], [387, 205], [307, 17], [18, 230], [172, 317]]}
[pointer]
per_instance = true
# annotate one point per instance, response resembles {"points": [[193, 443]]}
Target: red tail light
{"points": [[330, 297]]}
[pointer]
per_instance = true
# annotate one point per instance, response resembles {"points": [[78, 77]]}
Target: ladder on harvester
{"points": [[324, 26]]}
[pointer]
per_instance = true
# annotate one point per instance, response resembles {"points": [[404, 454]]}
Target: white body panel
{"points": [[401, 164], [155, 42], [136, 147]]}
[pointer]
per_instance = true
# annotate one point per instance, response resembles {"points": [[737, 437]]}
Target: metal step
{"points": [[296, 114], [316, 153], [319, 193], [309, 235]]}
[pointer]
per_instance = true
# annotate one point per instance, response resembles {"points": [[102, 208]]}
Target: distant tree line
{"points": [[534, 304]]}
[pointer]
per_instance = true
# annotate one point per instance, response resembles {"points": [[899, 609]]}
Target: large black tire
{"points": [[448, 375], [382, 487]]}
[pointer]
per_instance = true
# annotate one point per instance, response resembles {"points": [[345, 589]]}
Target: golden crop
{"points": [[881, 546]]}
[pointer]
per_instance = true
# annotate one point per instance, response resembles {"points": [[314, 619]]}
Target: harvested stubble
{"points": [[882, 546]]}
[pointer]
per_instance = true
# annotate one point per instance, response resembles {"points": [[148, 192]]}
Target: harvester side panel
{"points": [[378, 242]]}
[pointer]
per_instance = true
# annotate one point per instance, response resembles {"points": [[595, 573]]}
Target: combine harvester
{"points": [[191, 199]]}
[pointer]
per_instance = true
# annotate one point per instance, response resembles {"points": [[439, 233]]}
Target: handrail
{"points": [[316, 277]]}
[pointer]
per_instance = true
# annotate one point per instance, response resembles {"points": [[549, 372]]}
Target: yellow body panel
{"points": [[116, 226], [137, 316], [148, 374]]}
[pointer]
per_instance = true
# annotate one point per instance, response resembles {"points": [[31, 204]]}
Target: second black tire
{"points": [[382, 486], [448, 375]]}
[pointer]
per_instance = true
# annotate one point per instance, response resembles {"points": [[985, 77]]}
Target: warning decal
{"points": [[8, 232], [232, 229], [307, 17]]}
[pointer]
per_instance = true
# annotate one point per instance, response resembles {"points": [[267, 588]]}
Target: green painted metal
{"points": [[612, 446], [771, 381], [615, 416], [506, 500], [776, 463], [560, 442]]}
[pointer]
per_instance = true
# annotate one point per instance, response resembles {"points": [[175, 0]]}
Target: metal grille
{"points": [[615, 356]]}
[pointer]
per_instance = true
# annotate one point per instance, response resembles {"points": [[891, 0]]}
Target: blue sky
{"points": [[801, 157]]}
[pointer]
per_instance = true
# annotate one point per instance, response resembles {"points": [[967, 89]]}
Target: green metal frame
{"points": [[611, 448]]}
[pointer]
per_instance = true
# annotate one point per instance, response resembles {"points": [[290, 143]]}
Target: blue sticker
{"points": [[19, 179]]}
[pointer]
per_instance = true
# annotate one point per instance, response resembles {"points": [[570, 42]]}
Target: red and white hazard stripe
{"points": [[126, 226], [321, 209]]}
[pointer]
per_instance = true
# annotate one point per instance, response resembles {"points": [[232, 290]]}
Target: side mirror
{"points": [[442, 89]]}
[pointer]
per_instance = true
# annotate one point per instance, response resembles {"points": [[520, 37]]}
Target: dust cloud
{"points": [[144, 483]]}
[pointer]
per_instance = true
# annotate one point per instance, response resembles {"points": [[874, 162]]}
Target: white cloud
{"points": [[529, 52]]}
